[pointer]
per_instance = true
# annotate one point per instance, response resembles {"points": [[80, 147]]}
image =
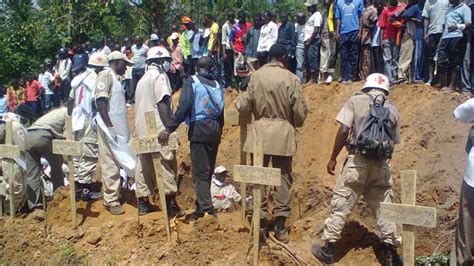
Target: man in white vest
{"points": [[82, 110], [112, 130]]}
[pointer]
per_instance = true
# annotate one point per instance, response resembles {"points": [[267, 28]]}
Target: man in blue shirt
{"points": [[348, 14], [452, 46]]}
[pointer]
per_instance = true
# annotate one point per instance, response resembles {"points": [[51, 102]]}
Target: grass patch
{"points": [[433, 260], [112, 260], [67, 251]]}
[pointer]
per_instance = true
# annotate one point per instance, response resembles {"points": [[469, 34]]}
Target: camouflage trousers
{"points": [[367, 177]]}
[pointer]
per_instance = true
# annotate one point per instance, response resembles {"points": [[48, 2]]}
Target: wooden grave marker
{"points": [[69, 148], [150, 145], [10, 153], [408, 214], [259, 176], [234, 118]]}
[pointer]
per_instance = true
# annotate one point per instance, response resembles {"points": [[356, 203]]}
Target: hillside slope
{"points": [[432, 143]]}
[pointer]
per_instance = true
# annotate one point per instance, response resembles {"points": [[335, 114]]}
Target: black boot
{"points": [[280, 231], [144, 206], [391, 255], [263, 231], [324, 254], [172, 206], [87, 194], [79, 187]]}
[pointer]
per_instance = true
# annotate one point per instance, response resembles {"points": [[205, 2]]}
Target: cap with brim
{"points": [[154, 37], [186, 20], [220, 169], [309, 3], [174, 36], [116, 55]]}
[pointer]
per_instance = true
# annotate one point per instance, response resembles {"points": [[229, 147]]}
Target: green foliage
{"points": [[434, 260], [66, 251], [29, 33], [112, 260]]}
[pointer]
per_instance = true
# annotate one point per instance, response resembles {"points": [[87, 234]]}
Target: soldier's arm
{"points": [[102, 107], [103, 87], [164, 109], [184, 107], [341, 137], [245, 102], [345, 118], [70, 106], [298, 106]]}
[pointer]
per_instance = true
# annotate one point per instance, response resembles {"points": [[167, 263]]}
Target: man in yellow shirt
{"points": [[174, 29], [328, 44], [213, 44]]}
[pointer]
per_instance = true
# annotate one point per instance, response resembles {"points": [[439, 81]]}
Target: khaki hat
{"points": [[310, 3], [220, 169], [116, 55], [98, 59]]}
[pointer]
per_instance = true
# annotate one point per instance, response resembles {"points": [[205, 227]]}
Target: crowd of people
{"points": [[421, 42], [268, 60]]}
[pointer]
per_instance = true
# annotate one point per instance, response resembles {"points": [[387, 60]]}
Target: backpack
{"points": [[208, 102], [376, 139]]}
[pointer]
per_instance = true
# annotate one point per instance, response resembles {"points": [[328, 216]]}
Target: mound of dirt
{"points": [[432, 144]]}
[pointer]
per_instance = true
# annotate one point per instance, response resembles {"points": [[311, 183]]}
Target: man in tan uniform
{"points": [[154, 94], [275, 99], [360, 175], [39, 143], [112, 130]]}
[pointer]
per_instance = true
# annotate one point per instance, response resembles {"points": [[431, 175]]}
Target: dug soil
{"points": [[432, 143]]}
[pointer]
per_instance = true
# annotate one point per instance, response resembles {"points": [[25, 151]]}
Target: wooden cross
{"points": [[408, 214], [10, 153], [69, 148], [233, 117], [257, 175], [150, 145]]}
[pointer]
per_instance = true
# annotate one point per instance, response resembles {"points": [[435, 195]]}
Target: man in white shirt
{"points": [[46, 79], [463, 248], [312, 41], [82, 111], [227, 49], [63, 71], [268, 37], [139, 50], [299, 54], [224, 195]]}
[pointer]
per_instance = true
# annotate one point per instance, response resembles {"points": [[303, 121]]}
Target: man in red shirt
{"points": [[33, 91], [236, 38], [389, 22]]}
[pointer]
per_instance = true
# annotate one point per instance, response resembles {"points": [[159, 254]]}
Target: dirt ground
{"points": [[432, 143]]}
